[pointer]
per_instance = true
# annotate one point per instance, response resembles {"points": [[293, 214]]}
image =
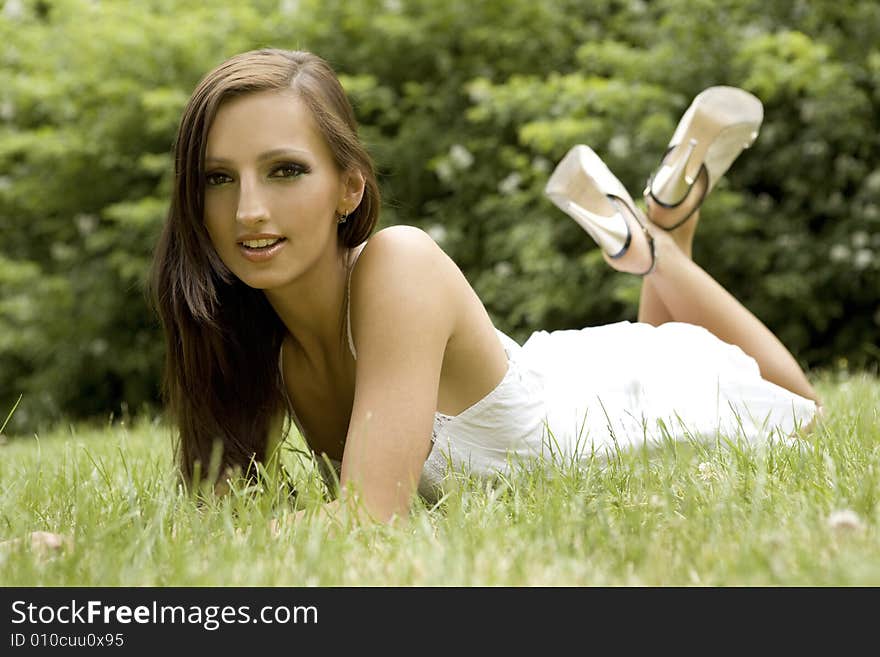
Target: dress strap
{"points": [[348, 304], [348, 315], [347, 331]]}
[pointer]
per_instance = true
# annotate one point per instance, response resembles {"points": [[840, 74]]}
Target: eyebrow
{"points": [[267, 155]]}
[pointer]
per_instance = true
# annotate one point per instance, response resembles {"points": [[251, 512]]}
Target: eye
{"points": [[215, 178], [288, 170]]}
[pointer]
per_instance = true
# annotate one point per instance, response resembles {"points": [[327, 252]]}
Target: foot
{"points": [[719, 123], [584, 188], [664, 217], [639, 256]]}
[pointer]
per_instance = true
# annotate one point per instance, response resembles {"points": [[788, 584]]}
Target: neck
{"points": [[311, 307]]}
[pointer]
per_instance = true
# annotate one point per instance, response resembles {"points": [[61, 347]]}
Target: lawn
{"points": [[682, 514]]}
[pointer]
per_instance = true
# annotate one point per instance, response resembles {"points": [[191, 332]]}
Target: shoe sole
{"points": [[583, 187], [723, 121]]}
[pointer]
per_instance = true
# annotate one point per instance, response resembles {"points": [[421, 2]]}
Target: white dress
{"points": [[573, 394], [577, 393]]}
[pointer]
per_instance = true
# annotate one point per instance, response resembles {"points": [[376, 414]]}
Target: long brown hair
{"points": [[222, 385]]}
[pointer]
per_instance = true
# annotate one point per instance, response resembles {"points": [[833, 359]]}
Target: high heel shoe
{"points": [[584, 188], [718, 125]]}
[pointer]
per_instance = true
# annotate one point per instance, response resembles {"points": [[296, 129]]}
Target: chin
{"points": [[262, 282], [254, 279]]}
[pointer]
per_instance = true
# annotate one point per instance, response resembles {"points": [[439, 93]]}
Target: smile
{"points": [[261, 250], [259, 244]]}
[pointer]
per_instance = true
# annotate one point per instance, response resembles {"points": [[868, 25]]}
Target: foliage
{"points": [[466, 107]]}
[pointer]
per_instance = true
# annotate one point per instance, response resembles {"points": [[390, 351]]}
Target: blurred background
{"points": [[466, 106]]}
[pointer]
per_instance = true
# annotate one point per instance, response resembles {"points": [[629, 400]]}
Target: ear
{"points": [[353, 185]]}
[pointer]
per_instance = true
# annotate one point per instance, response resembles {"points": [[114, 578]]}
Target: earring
{"points": [[343, 217]]}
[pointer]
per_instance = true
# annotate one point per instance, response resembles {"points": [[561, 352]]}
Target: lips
{"points": [[258, 237], [259, 244], [259, 248]]}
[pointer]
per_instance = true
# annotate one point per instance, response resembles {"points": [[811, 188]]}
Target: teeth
{"points": [[258, 244]]}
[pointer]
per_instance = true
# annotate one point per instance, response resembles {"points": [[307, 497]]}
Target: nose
{"points": [[252, 208]]}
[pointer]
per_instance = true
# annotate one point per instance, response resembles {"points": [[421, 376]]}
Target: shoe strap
{"points": [[672, 206], [650, 238]]}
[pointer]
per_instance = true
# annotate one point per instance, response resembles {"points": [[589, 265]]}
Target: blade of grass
{"points": [[17, 402]]}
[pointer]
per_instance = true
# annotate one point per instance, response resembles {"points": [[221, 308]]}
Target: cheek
{"points": [[214, 218], [302, 208], [220, 240]]}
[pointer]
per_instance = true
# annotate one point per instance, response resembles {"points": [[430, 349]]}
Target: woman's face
{"points": [[272, 188]]}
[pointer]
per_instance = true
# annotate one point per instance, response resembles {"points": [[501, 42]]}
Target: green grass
{"points": [[682, 515]]}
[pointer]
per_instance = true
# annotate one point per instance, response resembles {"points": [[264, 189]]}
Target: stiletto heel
{"points": [[584, 188], [671, 184], [719, 124]]}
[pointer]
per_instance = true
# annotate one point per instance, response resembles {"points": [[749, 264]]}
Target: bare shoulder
{"points": [[405, 283], [404, 260], [402, 245]]}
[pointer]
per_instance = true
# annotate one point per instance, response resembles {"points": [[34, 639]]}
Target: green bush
{"points": [[466, 107]]}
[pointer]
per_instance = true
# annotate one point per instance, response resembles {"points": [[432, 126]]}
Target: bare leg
{"points": [[652, 310], [693, 296], [689, 294]]}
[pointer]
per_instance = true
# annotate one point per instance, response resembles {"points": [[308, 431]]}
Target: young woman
{"points": [[276, 301]]}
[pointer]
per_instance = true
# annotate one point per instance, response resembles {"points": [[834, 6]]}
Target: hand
{"points": [[340, 514], [277, 524]]}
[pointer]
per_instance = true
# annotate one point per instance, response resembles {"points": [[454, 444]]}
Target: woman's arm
{"points": [[403, 311]]}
